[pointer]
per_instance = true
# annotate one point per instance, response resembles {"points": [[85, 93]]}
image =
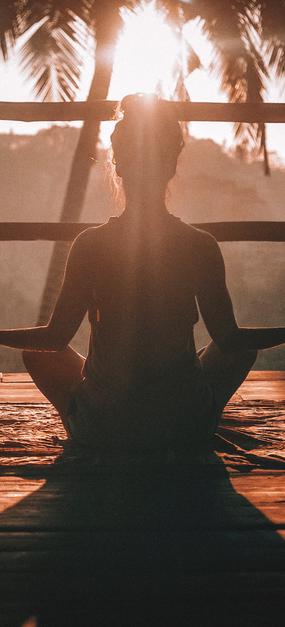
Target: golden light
{"points": [[13, 493], [146, 55], [149, 54]]}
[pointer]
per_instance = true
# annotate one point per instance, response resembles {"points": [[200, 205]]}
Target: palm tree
{"points": [[248, 38], [56, 33], [52, 55], [234, 28], [106, 21]]}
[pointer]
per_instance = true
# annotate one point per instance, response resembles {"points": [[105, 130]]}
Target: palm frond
{"points": [[256, 75], [10, 25], [107, 10], [172, 11], [51, 57], [73, 16], [188, 9], [193, 61], [272, 15], [223, 26], [181, 93], [36, 10], [277, 57], [186, 63], [233, 29]]}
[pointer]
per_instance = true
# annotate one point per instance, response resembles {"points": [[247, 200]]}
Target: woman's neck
{"points": [[145, 202]]}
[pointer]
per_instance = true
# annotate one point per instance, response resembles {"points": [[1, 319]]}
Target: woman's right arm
{"points": [[217, 310]]}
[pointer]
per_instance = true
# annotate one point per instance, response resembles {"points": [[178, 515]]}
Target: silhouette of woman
{"points": [[140, 277]]}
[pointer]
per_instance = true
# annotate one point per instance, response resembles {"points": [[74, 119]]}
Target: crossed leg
{"points": [[225, 371], [56, 374]]}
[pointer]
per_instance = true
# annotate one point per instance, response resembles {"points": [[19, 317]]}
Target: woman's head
{"points": [[147, 141]]}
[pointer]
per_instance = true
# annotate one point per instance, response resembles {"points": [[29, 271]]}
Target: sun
{"points": [[146, 55], [150, 53], [146, 58]]}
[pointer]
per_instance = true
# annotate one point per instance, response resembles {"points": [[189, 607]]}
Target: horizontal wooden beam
{"points": [[67, 231], [104, 110]]}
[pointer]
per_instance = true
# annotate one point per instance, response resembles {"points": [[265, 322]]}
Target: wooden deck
{"points": [[196, 544]]}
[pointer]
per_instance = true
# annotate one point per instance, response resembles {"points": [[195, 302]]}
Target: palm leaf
{"points": [[171, 9], [54, 10], [10, 25], [193, 61], [272, 16], [51, 54], [106, 10], [233, 29]]}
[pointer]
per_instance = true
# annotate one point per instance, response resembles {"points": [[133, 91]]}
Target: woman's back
{"points": [[139, 277], [143, 305]]}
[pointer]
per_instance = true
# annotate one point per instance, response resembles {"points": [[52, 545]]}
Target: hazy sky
{"points": [[137, 68]]}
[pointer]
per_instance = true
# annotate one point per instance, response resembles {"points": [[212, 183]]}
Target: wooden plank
{"points": [[168, 598], [16, 377], [266, 385], [195, 553], [190, 548], [225, 587], [247, 231], [263, 385], [265, 375], [27, 394], [48, 231], [104, 110], [259, 481], [262, 390], [18, 387], [254, 375], [190, 542], [132, 501], [253, 540]]}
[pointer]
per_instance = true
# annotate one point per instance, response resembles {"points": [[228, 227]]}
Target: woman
{"points": [[142, 386]]}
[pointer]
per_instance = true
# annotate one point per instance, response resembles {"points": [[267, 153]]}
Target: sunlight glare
{"points": [[146, 57], [146, 54], [13, 493]]}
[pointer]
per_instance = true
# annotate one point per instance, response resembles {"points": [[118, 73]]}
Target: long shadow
{"points": [[132, 545]]}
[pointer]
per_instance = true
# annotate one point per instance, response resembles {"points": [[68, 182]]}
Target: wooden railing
{"points": [[104, 110], [67, 231]]}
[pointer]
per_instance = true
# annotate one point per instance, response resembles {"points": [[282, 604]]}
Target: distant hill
{"points": [[210, 185]]}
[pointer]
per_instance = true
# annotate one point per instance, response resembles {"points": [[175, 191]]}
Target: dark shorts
{"points": [[176, 412]]}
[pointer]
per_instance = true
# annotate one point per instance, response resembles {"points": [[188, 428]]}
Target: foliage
{"points": [[211, 185], [55, 35], [247, 36]]}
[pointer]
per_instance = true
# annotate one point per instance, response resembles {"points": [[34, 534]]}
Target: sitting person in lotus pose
{"points": [[141, 277]]}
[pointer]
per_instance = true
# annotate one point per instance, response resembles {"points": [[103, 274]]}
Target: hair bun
{"points": [[136, 104]]}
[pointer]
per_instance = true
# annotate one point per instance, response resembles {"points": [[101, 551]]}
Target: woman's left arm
{"points": [[69, 310]]}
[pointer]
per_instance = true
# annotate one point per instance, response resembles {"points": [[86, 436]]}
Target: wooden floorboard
{"points": [[266, 384], [137, 546]]}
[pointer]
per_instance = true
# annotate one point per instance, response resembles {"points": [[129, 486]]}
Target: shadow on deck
{"points": [[197, 544]]}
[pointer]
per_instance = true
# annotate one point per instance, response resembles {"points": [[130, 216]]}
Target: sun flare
{"points": [[146, 55], [150, 53]]}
